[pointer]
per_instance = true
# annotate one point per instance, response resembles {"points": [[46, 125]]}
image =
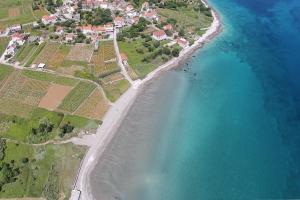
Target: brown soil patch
{"points": [[94, 106], [54, 96], [14, 12]]}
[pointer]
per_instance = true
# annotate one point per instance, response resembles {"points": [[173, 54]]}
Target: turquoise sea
{"points": [[225, 125]]}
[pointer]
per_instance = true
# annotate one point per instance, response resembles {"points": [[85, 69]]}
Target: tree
{"points": [[181, 33], [66, 128], [166, 51], [175, 52]]}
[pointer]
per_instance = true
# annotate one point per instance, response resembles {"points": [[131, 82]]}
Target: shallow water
{"points": [[228, 128]]}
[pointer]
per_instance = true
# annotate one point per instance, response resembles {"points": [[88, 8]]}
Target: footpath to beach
{"points": [[114, 117]]}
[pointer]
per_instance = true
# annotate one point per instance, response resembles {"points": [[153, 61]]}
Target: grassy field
{"points": [[18, 12], [35, 54], [3, 44], [43, 76], [135, 59], [72, 101], [187, 18], [114, 86], [49, 167], [4, 72]]}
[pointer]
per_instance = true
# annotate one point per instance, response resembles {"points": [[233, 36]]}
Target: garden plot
{"points": [[94, 106], [80, 52]]}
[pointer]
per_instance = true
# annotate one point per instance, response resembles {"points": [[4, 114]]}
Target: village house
{"points": [[14, 28], [145, 6], [90, 4], [89, 29], [129, 8], [59, 30], [168, 27], [18, 38], [49, 19], [159, 35], [70, 37], [182, 42], [124, 59], [119, 22], [151, 15]]}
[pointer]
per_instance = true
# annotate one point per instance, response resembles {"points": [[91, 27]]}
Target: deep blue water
{"points": [[235, 133]]}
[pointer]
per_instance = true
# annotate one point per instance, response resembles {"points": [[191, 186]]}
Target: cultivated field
{"points": [[80, 52], [25, 52], [18, 12], [73, 100], [54, 96], [94, 106], [58, 57], [104, 60], [46, 54], [3, 44], [24, 90], [114, 86]]}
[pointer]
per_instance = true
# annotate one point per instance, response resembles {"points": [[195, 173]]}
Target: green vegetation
{"points": [[96, 17], [145, 54], [133, 31], [81, 122], [18, 12], [39, 171], [187, 19], [5, 71], [77, 96], [35, 54], [3, 44], [114, 90], [43, 76], [25, 52]]}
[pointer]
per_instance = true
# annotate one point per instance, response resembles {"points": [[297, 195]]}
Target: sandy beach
{"points": [[114, 117]]}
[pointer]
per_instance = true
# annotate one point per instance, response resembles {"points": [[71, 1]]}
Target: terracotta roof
{"points": [[168, 27], [123, 56], [159, 33]]}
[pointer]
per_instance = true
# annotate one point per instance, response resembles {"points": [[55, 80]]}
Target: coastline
{"points": [[114, 117]]}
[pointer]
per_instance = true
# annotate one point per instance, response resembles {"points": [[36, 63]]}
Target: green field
{"points": [[25, 53], [77, 96], [135, 59], [4, 72], [3, 44], [47, 170], [34, 55], [18, 12], [43, 76], [114, 90], [187, 18]]}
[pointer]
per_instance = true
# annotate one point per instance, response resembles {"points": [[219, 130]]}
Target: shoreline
{"points": [[118, 111]]}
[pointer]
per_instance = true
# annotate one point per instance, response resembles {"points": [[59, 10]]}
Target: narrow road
{"points": [[124, 71]]}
